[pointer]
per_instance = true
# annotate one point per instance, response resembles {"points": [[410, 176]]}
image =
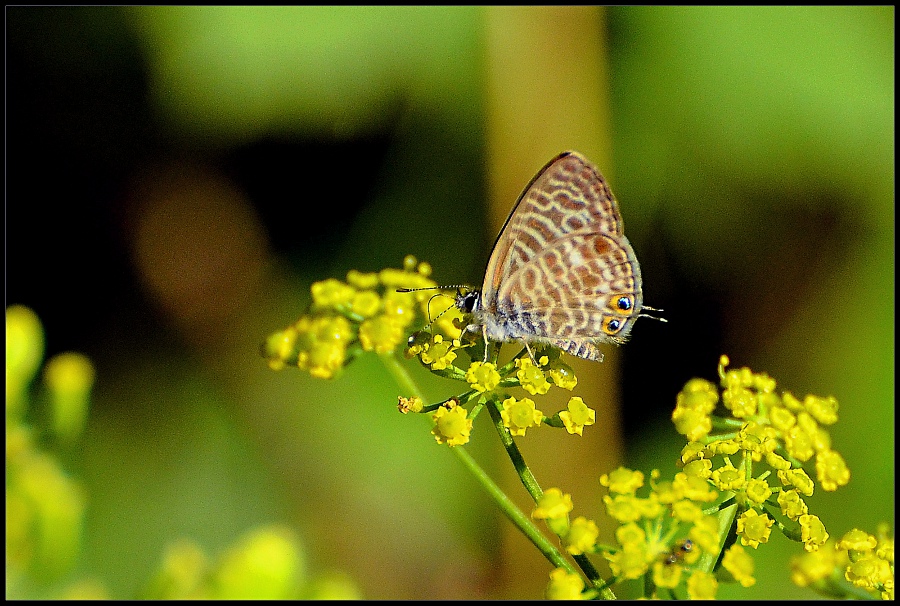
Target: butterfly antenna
{"points": [[649, 316], [440, 294], [433, 288]]}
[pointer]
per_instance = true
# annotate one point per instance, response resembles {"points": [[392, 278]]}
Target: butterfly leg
{"points": [[530, 353]]}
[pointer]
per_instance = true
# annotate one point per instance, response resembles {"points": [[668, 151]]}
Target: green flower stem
{"points": [[725, 517], [509, 509], [534, 489], [524, 473]]}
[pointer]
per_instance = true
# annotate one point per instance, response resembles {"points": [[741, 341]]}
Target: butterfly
{"points": [[561, 271]]}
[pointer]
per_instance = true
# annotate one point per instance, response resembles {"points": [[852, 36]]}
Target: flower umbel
{"points": [[365, 313]]}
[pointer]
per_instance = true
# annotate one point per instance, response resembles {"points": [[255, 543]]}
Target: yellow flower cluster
{"points": [[365, 313], [664, 533], [871, 560], [767, 423], [45, 505], [862, 559], [771, 436], [485, 379]]}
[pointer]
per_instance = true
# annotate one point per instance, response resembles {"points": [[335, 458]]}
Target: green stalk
{"points": [[509, 509]]}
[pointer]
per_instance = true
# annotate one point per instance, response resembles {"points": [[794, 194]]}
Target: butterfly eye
{"points": [[624, 303], [469, 302], [612, 326]]}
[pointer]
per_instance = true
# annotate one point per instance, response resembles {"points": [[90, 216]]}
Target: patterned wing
{"points": [[583, 286], [568, 196]]}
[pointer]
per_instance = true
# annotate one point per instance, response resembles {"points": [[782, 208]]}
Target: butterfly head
{"points": [[468, 301]]}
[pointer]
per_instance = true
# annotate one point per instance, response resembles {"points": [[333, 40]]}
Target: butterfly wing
{"points": [[561, 269], [565, 197], [582, 286]]}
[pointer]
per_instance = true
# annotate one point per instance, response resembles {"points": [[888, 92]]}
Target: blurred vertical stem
{"points": [[547, 91]]}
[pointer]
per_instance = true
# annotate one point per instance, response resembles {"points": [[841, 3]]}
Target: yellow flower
{"points": [[483, 376], [763, 383], [736, 379], [699, 395], [451, 426], [823, 409], [400, 306], [628, 563], [69, 378], [723, 447], [531, 378], [693, 405], [686, 511], [448, 320], [758, 491], [439, 354], [777, 462], [622, 507], [702, 586], [381, 334], [694, 488], [631, 536], [885, 549], [266, 563], [582, 536], [812, 532], [754, 528], [791, 402], [758, 439], [740, 401], [366, 303], [564, 585], [666, 575], [623, 480], [650, 507], [24, 353], [870, 572], [553, 504], [362, 281], [728, 478], [407, 405], [692, 451], [799, 443], [781, 418], [577, 415], [519, 415], [831, 470], [562, 375], [664, 490], [323, 344], [809, 568], [791, 504], [691, 423], [702, 468], [331, 294], [739, 563], [280, 347], [857, 540], [798, 478]]}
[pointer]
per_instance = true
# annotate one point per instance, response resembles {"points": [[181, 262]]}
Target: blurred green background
{"points": [[177, 177]]}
